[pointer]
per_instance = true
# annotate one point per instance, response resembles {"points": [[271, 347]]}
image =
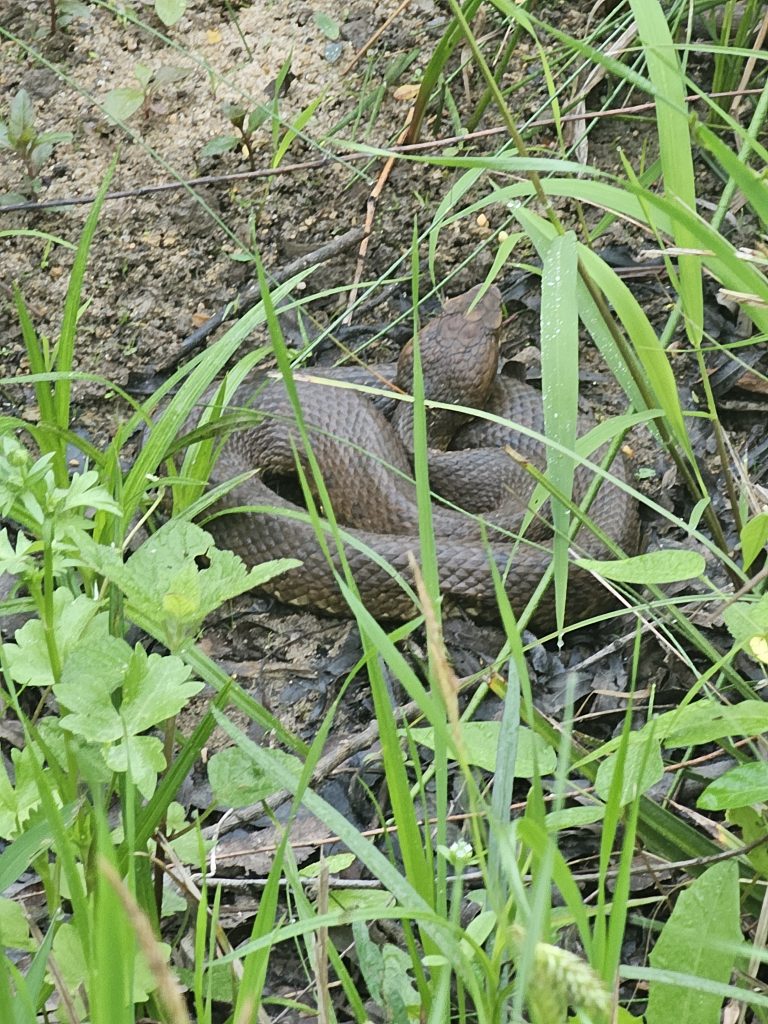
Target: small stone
{"points": [[333, 51]]}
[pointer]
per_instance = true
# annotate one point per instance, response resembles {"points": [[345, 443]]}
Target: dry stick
{"points": [[375, 37], [243, 884], [749, 67], [349, 158], [342, 751], [320, 949], [373, 199]]}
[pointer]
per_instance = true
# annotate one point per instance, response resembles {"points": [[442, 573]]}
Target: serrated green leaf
{"points": [[156, 688], [654, 567], [740, 787], [83, 491], [141, 758], [74, 619], [481, 742], [91, 674], [121, 104], [164, 585], [15, 560]]}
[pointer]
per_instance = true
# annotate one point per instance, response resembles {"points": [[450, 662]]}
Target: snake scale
{"points": [[366, 466]]}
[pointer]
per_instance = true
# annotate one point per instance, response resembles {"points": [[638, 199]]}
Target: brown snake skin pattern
{"points": [[366, 467]]}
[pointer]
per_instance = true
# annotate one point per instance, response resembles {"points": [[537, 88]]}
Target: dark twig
{"points": [[250, 295], [348, 158]]}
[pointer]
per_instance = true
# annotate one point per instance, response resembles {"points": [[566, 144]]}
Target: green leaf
{"points": [[641, 769], [234, 113], [754, 537], [143, 74], [481, 741], [75, 968], [157, 687], [573, 817], [167, 74], [75, 619], [165, 587], [746, 619], [700, 939], [654, 567], [220, 144], [21, 122], [18, 800], [236, 782], [16, 560], [154, 687], [704, 722], [121, 104], [55, 137], [84, 491], [170, 11], [751, 821], [740, 787], [141, 758], [18, 855], [14, 926], [91, 674], [326, 24], [256, 118], [334, 865], [39, 154]]}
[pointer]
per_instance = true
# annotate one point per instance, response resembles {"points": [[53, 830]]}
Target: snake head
{"points": [[459, 359]]}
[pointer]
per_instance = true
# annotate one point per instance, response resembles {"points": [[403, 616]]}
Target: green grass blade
{"points": [[65, 349], [560, 392], [674, 147]]}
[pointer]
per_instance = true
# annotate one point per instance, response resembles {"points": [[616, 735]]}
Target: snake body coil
{"points": [[364, 460]]}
